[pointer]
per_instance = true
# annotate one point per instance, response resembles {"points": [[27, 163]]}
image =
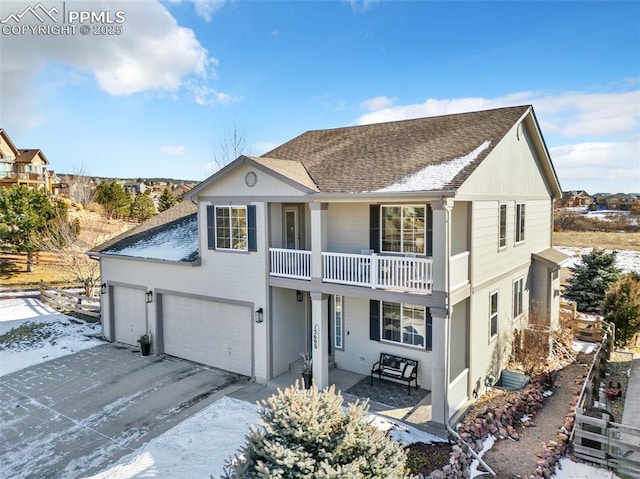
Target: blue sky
{"points": [[160, 98]]}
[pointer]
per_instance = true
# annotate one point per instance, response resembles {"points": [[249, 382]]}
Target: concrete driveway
{"points": [[73, 416]]}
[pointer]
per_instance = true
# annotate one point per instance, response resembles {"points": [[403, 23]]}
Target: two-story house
{"points": [[429, 238], [24, 167]]}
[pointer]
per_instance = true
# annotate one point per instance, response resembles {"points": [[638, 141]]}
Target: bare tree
{"points": [[81, 189], [231, 146], [70, 240]]}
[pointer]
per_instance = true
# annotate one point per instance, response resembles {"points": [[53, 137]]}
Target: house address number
{"points": [[316, 335]]}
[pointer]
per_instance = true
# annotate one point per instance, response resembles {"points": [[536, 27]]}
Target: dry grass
{"points": [[601, 239], [14, 272]]}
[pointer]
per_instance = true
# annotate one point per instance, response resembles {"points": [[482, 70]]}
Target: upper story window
{"points": [[520, 222], [502, 231], [231, 228], [403, 229], [406, 324]]}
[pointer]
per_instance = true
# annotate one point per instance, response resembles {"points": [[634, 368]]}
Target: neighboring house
{"points": [[619, 201], [25, 167], [575, 198], [428, 238], [135, 188]]}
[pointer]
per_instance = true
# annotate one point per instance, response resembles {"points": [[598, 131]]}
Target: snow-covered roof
{"points": [[436, 177], [175, 241], [170, 236]]}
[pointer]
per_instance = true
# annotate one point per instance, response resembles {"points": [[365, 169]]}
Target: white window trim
{"points": [[517, 223], [513, 305], [424, 247], [339, 298], [506, 213], [492, 337], [400, 343], [215, 218]]}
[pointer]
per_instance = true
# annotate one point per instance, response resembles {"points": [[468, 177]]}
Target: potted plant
{"points": [[307, 369], [145, 344]]}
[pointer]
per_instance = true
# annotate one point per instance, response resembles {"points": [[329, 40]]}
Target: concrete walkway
{"points": [[72, 416], [631, 416]]}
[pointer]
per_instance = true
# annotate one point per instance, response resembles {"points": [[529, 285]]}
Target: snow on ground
{"points": [[626, 260], [58, 334], [200, 445], [436, 177]]}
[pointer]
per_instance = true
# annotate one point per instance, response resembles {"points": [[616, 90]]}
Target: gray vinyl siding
{"points": [[488, 354], [289, 329], [487, 260], [360, 353], [348, 227]]}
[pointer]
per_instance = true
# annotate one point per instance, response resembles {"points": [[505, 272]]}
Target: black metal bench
{"points": [[397, 368]]}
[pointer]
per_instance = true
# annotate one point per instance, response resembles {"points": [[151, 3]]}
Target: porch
{"points": [[354, 387], [368, 270]]}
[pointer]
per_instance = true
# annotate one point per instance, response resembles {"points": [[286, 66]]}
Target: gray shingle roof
{"points": [[371, 157]]}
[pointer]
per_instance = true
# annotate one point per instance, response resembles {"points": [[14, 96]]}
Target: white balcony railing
{"points": [[459, 270], [290, 263], [371, 271]]}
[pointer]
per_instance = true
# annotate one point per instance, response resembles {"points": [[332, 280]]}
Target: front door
{"points": [[292, 237]]}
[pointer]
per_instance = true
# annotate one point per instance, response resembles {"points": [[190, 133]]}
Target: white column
{"points": [[441, 242], [440, 367], [319, 338], [318, 237]]}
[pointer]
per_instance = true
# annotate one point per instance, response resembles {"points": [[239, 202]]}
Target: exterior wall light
{"points": [[148, 297], [103, 288], [259, 315], [299, 296]]}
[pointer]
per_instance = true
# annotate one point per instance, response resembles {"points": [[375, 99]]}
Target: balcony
{"points": [[398, 273]]}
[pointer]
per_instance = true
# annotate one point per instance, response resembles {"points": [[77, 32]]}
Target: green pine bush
{"points": [[591, 279], [305, 434]]}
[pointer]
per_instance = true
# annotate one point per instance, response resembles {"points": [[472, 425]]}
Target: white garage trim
{"points": [[214, 331]]}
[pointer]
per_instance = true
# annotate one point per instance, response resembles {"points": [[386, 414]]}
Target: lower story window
{"points": [[337, 321], [518, 291], [405, 324], [493, 315]]}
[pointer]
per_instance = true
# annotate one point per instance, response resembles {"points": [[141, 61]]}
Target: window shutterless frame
{"points": [[520, 222], [493, 315], [502, 226], [338, 322], [518, 298]]}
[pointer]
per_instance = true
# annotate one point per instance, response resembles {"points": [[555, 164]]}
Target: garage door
{"points": [[207, 332], [129, 314]]}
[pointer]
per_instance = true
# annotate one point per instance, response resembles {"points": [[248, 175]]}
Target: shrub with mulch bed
{"points": [[423, 458]]}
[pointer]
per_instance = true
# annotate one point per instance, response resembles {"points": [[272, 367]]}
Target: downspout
{"points": [[447, 252]]}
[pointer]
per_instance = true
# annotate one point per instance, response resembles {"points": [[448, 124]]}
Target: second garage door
{"points": [[208, 332]]}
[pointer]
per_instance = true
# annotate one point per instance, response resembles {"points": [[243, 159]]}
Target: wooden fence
{"points": [[65, 300], [585, 330], [595, 437]]}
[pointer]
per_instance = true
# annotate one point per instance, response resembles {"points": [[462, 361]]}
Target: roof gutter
{"points": [[374, 195]]}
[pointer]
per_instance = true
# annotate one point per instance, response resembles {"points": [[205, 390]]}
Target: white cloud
{"points": [[377, 103], [151, 54], [173, 150], [594, 138], [207, 8], [570, 114], [360, 6], [608, 166], [204, 95]]}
